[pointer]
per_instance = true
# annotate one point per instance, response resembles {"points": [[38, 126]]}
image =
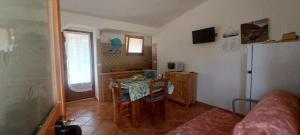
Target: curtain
{"points": [[78, 53]]}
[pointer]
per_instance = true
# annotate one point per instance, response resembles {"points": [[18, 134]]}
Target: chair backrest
{"points": [[150, 74], [158, 87], [116, 91]]}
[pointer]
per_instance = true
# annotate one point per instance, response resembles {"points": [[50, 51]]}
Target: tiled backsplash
{"points": [[121, 61]]}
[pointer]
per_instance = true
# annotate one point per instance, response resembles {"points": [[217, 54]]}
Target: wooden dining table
{"points": [[137, 89]]}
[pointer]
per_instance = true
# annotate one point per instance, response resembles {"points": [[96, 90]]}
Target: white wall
{"points": [[222, 74], [73, 19], [106, 36], [95, 24]]}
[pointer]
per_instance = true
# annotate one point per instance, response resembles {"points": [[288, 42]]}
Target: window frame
{"points": [[127, 44]]}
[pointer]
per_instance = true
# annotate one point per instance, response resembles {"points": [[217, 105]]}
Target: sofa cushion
{"points": [[277, 114], [212, 122]]}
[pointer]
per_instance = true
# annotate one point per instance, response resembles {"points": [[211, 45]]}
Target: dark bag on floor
{"points": [[62, 129]]}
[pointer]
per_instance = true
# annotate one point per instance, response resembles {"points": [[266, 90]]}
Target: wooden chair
{"points": [[122, 104], [157, 98]]}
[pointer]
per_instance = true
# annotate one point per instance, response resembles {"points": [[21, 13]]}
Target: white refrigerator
{"points": [[271, 67]]}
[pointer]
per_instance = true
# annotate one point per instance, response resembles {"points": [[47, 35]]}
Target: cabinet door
{"points": [[178, 92], [180, 88]]}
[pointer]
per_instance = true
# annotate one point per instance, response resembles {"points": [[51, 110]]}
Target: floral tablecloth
{"points": [[139, 89]]}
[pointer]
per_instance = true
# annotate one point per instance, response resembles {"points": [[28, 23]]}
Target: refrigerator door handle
{"points": [[250, 72]]}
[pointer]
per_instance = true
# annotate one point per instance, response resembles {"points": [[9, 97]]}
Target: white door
{"points": [[274, 67]]}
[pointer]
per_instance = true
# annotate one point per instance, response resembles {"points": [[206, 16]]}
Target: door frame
{"points": [[76, 95], [59, 111], [154, 56]]}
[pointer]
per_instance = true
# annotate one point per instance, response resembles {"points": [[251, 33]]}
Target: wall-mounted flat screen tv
{"points": [[204, 36]]}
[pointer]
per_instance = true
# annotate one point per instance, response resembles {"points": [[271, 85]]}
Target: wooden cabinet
{"points": [[185, 87]]}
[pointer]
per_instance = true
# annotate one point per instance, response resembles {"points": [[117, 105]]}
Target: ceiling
{"points": [[153, 13]]}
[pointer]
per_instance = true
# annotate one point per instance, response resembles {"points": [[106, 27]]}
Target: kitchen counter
{"points": [[121, 72]]}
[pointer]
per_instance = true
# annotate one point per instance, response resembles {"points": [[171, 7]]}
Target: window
{"points": [[134, 44]]}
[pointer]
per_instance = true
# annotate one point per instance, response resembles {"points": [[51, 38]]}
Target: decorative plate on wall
{"points": [[116, 44]]}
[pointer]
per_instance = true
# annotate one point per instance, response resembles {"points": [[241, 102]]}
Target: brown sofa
{"points": [[277, 114]]}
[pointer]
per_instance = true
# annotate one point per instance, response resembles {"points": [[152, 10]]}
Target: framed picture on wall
{"points": [[255, 32]]}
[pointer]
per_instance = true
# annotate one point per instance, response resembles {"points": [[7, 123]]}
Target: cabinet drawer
{"points": [[170, 75], [181, 77]]}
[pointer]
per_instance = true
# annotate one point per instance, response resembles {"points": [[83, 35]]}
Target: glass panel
{"points": [[135, 45], [26, 89], [78, 52]]}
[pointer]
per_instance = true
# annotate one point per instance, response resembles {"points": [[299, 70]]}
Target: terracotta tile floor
{"points": [[96, 118]]}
